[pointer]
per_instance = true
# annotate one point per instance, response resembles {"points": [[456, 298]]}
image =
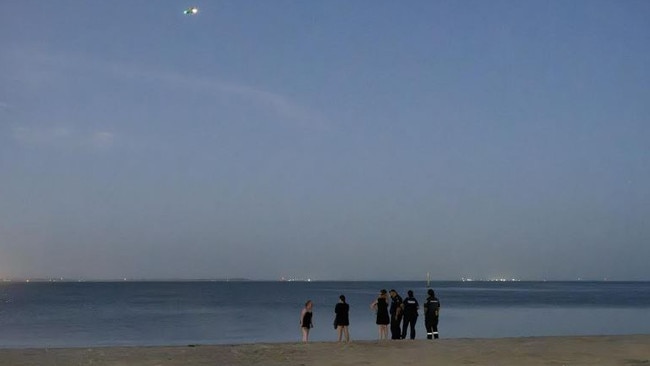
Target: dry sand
{"points": [[591, 350]]}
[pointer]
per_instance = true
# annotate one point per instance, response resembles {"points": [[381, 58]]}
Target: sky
{"points": [[333, 140]]}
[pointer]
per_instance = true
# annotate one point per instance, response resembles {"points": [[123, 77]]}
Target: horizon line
{"points": [[244, 279]]}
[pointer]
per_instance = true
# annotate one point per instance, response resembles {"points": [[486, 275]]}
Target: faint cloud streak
{"points": [[283, 106], [279, 104], [101, 140], [61, 137], [40, 136]]}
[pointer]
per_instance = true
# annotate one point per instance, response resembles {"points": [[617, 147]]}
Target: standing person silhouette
{"points": [[431, 313], [380, 305], [395, 315], [411, 307], [342, 320], [306, 320]]}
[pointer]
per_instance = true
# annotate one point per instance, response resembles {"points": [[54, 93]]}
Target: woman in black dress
{"points": [[381, 307], [342, 320], [305, 320]]}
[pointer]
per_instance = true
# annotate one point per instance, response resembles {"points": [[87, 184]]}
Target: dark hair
{"points": [[342, 297], [410, 293], [383, 291], [431, 293], [307, 303]]}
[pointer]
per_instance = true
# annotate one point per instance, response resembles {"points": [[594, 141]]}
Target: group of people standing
{"points": [[401, 315], [341, 319]]}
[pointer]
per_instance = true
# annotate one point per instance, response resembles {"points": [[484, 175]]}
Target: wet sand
{"points": [[587, 350]]}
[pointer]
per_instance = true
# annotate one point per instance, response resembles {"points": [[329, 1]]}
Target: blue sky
{"points": [[325, 139]]}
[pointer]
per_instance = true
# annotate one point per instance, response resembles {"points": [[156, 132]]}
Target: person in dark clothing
{"points": [[395, 315], [381, 307], [342, 320], [411, 307], [306, 320], [431, 312]]}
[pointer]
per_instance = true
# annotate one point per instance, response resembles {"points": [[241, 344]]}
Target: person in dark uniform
{"points": [[381, 307], [305, 320], [395, 315], [411, 307], [342, 320], [431, 312]]}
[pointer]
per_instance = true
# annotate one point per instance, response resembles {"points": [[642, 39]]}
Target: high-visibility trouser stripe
{"points": [[434, 333], [430, 333]]}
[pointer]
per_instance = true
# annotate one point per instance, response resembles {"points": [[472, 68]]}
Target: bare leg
{"points": [[347, 333], [305, 334], [339, 330]]}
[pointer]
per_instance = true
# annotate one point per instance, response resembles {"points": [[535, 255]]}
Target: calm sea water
{"points": [[181, 313]]}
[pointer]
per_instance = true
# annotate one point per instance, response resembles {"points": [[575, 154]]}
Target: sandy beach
{"points": [[583, 350]]}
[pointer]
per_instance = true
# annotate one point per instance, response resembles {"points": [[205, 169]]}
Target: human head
{"points": [[410, 293], [431, 293], [392, 293], [382, 292], [309, 304], [342, 298]]}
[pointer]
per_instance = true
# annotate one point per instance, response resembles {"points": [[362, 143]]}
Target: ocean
{"points": [[91, 314]]}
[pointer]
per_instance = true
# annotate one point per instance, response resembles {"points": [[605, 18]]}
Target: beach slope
{"points": [[587, 350]]}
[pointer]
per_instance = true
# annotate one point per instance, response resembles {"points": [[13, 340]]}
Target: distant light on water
{"points": [[466, 279]]}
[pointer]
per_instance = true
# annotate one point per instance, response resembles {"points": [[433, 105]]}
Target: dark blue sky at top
{"points": [[325, 139]]}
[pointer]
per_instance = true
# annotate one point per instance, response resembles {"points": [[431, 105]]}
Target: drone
{"points": [[193, 10]]}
